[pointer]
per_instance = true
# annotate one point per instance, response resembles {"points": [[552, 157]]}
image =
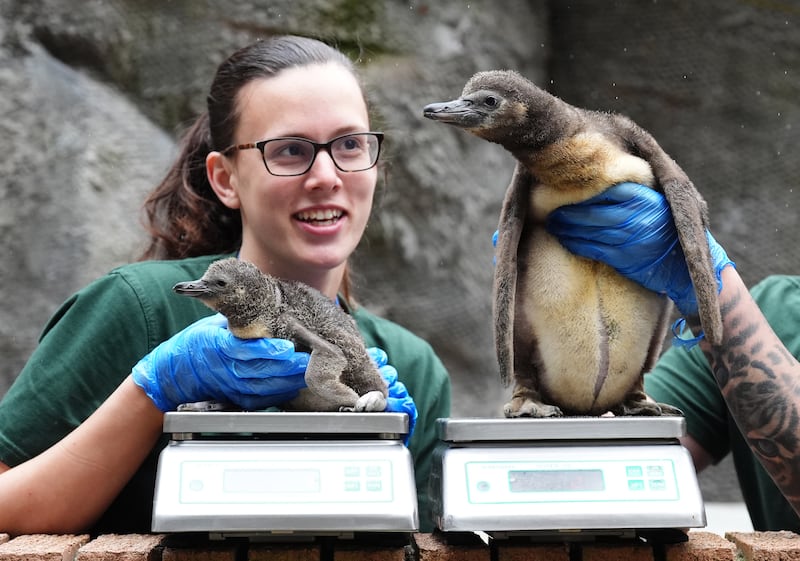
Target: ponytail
{"points": [[182, 214]]}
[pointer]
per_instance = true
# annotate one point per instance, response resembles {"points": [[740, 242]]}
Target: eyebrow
{"points": [[337, 132]]}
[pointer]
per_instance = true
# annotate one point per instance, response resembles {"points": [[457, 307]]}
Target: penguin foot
{"points": [[368, 403], [527, 407], [670, 410], [645, 408]]}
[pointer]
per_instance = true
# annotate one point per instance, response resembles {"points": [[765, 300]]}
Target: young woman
{"points": [[281, 171]]}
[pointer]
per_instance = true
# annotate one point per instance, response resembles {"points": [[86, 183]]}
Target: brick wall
{"points": [[701, 546]]}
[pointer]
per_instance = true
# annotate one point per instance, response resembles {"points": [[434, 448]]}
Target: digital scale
{"points": [[279, 474], [570, 478]]}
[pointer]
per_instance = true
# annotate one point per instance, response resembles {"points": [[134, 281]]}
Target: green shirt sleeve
{"points": [[684, 379], [88, 347], [86, 350]]}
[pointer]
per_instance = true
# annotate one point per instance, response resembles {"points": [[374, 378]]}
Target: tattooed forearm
{"points": [[760, 381]]}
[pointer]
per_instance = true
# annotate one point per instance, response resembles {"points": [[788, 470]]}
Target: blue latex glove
{"points": [[206, 362], [630, 227], [398, 401]]}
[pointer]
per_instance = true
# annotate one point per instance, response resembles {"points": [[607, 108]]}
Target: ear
{"points": [[222, 177]]}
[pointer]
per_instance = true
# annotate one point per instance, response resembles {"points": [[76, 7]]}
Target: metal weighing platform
{"points": [[265, 475], [571, 478]]}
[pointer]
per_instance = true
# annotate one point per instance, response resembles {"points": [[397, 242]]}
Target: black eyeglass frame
{"points": [[317, 147]]}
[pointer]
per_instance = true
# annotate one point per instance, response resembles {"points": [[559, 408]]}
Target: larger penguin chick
{"points": [[340, 375], [575, 336]]}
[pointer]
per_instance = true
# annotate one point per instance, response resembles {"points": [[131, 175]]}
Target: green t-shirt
{"points": [[91, 343], [684, 379]]}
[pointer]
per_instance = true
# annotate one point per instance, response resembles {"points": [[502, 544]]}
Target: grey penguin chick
{"points": [[575, 336], [340, 375]]}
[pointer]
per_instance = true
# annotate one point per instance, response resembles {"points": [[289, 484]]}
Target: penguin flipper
{"points": [[690, 213], [512, 221], [688, 210], [325, 367]]}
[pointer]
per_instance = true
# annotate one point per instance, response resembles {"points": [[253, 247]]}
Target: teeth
{"points": [[319, 215]]}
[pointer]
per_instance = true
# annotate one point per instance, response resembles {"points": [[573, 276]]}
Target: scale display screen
{"points": [[271, 481], [537, 480], [237, 481], [607, 480]]}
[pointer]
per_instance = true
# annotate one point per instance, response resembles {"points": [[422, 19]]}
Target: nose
{"points": [[323, 173]]}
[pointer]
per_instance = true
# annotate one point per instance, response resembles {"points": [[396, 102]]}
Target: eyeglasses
{"points": [[294, 156]]}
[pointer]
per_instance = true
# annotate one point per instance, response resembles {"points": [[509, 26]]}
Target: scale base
{"points": [[328, 544], [398, 539], [650, 535], [654, 536]]}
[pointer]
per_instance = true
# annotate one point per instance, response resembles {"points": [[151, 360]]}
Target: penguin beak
{"points": [[459, 112], [195, 289]]}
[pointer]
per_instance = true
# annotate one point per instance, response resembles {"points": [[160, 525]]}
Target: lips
{"points": [[320, 217]]}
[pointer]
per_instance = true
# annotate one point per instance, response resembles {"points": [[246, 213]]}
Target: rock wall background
{"points": [[93, 94]]}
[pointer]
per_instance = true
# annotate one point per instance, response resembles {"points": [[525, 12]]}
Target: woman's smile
{"points": [[320, 217]]}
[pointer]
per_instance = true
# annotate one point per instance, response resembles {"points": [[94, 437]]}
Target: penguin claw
{"points": [[670, 410], [368, 403]]}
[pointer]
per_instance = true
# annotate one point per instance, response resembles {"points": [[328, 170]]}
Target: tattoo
{"points": [[758, 379]]}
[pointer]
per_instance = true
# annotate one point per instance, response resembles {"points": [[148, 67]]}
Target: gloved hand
{"points": [[205, 361], [398, 401], [630, 227]]}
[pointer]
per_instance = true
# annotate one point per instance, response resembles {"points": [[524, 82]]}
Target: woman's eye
{"points": [[349, 147], [286, 150], [351, 144], [293, 150]]}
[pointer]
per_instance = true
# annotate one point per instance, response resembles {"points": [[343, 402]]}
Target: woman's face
{"points": [[301, 227]]}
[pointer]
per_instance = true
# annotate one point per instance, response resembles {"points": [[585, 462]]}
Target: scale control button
{"points": [[483, 486], [352, 486], [655, 471], [373, 471], [196, 484], [658, 485], [636, 484], [352, 471], [374, 485], [634, 471]]}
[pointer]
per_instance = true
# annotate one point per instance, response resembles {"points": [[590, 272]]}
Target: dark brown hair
{"points": [[183, 215]]}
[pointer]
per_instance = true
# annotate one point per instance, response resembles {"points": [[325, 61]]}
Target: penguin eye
{"points": [[490, 101]]}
